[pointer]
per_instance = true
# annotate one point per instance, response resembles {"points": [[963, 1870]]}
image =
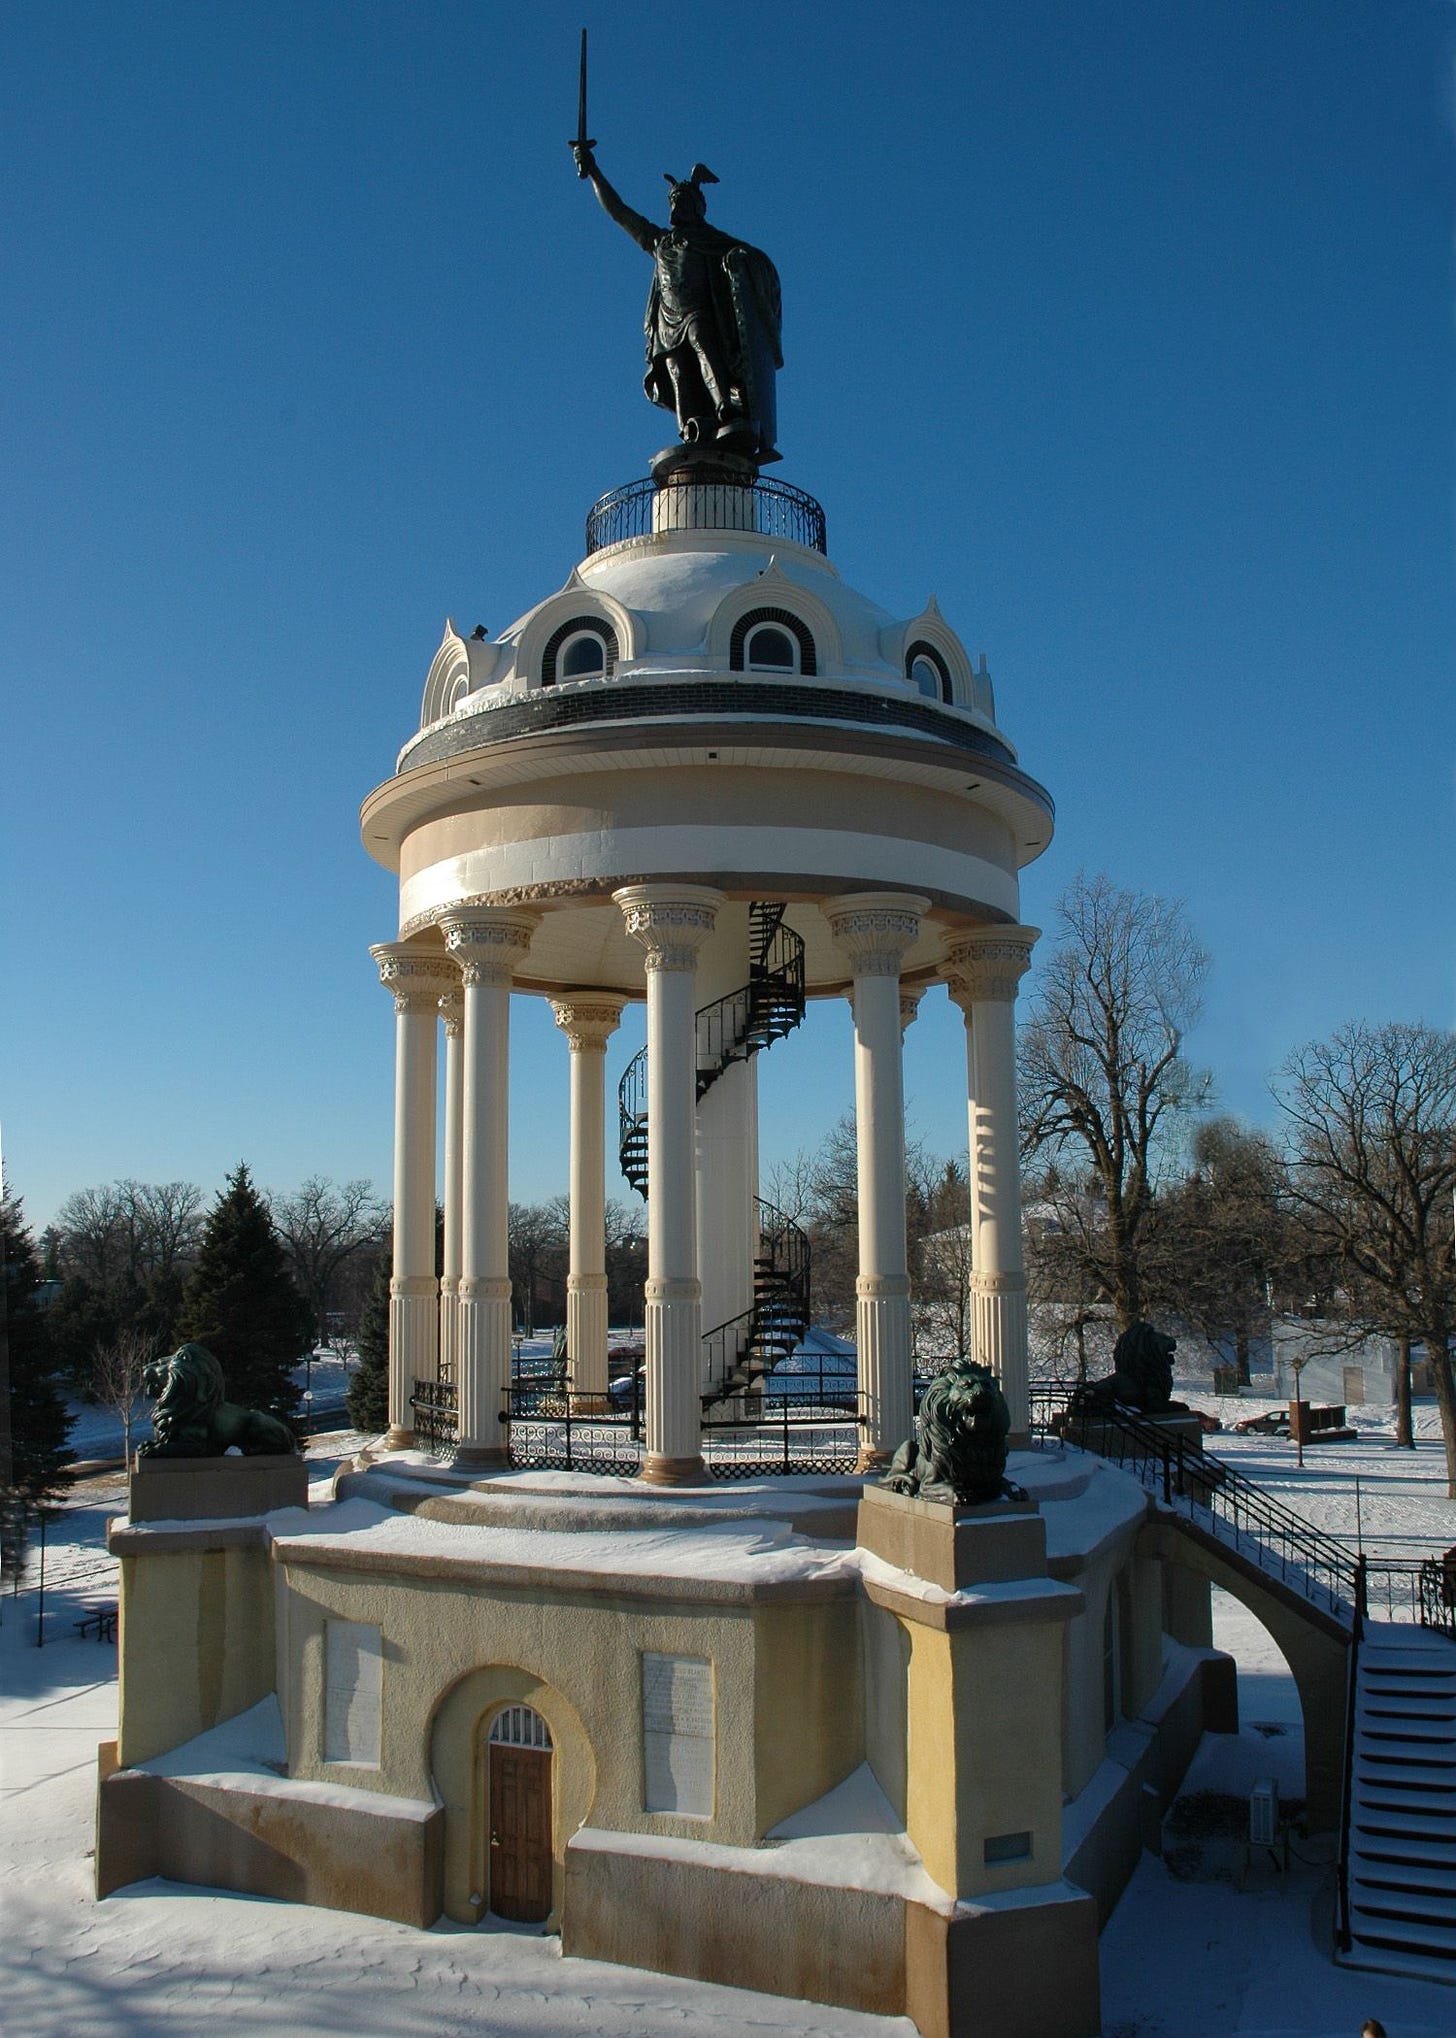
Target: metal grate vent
{"points": [[519, 1727]]}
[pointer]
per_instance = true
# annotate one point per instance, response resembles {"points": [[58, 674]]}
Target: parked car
{"points": [[1273, 1424]]}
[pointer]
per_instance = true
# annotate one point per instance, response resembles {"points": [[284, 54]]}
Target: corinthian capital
{"points": [[987, 962], [417, 978], [876, 930], [670, 921], [488, 942], [588, 1021]]}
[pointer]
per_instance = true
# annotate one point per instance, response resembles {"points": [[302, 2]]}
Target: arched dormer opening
{"points": [[584, 647], [926, 670], [772, 640], [461, 667], [933, 659]]}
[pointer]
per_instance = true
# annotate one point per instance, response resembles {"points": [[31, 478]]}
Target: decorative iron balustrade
{"points": [[436, 1415], [605, 1435], [771, 509], [732, 1029]]}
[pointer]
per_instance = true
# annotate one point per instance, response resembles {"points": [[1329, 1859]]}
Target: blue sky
{"points": [[1125, 329]]}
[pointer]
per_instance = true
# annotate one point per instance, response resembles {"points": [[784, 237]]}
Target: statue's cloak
{"points": [[745, 314]]}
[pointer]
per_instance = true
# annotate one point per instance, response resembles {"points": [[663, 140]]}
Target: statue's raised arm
{"points": [[713, 319], [613, 205]]}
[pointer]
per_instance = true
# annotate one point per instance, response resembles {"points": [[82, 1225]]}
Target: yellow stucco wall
{"points": [[195, 1644]]}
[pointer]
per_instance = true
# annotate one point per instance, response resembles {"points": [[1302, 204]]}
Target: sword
{"points": [[583, 140]]}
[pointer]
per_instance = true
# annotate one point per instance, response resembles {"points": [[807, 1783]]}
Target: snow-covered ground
{"points": [[1188, 1954]]}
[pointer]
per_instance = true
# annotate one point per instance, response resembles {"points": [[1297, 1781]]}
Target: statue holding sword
{"points": [[713, 319]]}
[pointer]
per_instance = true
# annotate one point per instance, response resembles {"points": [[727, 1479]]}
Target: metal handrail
{"points": [[730, 1029], [1316, 1565], [772, 509], [1347, 1780]]}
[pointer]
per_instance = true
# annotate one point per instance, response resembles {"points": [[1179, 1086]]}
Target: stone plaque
{"points": [[677, 1734], [353, 1665]]}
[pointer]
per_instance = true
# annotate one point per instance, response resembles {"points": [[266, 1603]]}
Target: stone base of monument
{"points": [[216, 1489], [953, 1546]]}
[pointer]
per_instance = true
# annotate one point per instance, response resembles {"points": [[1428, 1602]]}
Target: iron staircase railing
{"points": [[731, 1029], [740, 1354]]}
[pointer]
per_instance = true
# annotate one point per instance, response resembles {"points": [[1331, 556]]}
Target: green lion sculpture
{"points": [[1141, 1376], [957, 1451], [192, 1418]]}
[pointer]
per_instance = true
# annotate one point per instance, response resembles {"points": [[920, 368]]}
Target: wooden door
{"points": [[520, 1833]]}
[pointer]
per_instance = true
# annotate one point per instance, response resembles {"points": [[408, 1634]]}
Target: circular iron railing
{"points": [[771, 509]]}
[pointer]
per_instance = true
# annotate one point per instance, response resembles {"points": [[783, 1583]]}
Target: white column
{"points": [[588, 1020], [489, 943], [452, 1010], [875, 930], [671, 922], [416, 978], [983, 968]]}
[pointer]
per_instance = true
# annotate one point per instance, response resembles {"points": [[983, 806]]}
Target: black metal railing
{"points": [[731, 1029], [1235, 1510], [772, 509], [436, 1415], [606, 1435], [1422, 1594], [1347, 1774]]}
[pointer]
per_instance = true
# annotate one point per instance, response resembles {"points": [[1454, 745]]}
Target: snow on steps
{"points": [[1403, 1811]]}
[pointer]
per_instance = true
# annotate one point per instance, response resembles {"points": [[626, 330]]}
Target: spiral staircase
{"points": [[739, 1354]]}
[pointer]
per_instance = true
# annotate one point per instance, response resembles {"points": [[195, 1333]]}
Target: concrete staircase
{"points": [[1402, 1807]]}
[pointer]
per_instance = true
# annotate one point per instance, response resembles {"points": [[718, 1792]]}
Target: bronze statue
{"points": [[1141, 1376], [193, 1419], [713, 317], [957, 1450]]}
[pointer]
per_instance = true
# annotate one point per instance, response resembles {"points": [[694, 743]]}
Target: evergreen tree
{"points": [[241, 1303], [369, 1389], [33, 1443]]}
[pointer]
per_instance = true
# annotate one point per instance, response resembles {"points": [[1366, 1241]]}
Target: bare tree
{"points": [[323, 1225], [538, 1234], [1372, 1136], [115, 1378], [92, 1230], [1062, 1224], [1103, 1078], [939, 1236], [1226, 1234]]}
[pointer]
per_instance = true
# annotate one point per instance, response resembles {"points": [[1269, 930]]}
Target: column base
{"points": [[482, 1458], [397, 1439], [660, 1471], [873, 1461]]}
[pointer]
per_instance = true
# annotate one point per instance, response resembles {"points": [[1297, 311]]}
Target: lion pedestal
{"points": [[216, 1489]]}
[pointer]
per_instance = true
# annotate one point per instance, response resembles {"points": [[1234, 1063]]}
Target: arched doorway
{"points": [[519, 1808]]}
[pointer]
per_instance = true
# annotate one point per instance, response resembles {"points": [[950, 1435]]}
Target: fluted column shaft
{"points": [[671, 922], [875, 930], [588, 1023], [416, 980], [488, 942], [452, 1010], [983, 970]]}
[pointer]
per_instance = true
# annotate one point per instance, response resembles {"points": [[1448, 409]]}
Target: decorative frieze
{"points": [[876, 929], [417, 978], [987, 965], [671, 922], [588, 1023], [488, 942]]}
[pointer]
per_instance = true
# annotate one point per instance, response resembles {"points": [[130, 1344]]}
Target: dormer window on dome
{"points": [[584, 648], [927, 670], [771, 640]]}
